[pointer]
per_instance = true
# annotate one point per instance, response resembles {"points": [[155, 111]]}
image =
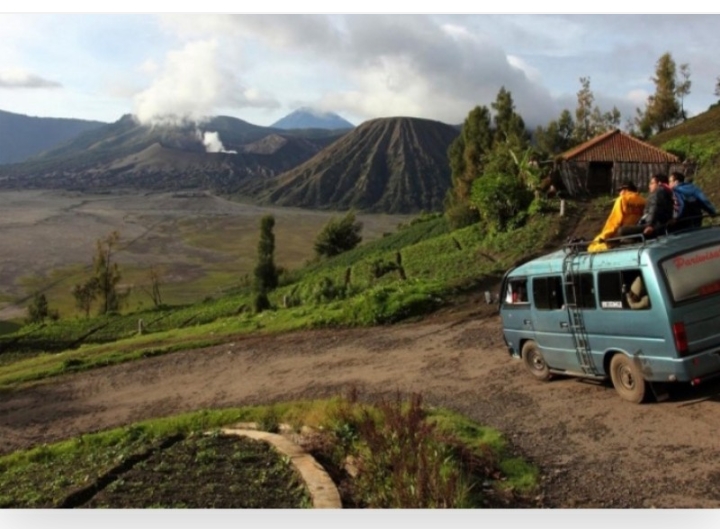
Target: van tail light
{"points": [[681, 342]]}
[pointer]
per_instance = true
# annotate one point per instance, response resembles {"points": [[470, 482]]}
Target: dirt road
{"points": [[594, 450]]}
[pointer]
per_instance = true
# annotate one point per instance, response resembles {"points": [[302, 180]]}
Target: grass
{"points": [[200, 257], [430, 266], [406, 454]]}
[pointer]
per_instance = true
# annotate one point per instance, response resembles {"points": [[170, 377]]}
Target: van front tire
{"points": [[535, 362], [628, 379]]}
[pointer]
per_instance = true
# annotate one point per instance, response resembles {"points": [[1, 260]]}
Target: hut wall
{"points": [[575, 174], [574, 177]]}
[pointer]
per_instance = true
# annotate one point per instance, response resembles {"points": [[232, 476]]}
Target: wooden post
{"points": [[562, 207]]}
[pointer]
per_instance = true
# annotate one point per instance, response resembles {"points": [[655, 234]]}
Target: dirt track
{"points": [[594, 449]]}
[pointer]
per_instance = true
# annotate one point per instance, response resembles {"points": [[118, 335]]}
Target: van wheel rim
{"points": [[537, 362], [626, 377]]}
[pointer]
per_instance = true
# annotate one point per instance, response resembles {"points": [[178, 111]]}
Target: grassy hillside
{"points": [[698, 140], [418, 269], [414, 271]]}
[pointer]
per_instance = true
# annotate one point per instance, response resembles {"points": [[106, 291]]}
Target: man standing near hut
{"points": [[627, 211]]}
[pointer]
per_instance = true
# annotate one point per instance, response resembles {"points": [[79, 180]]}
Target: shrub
{"points": [[339, 236], [500, 199]]}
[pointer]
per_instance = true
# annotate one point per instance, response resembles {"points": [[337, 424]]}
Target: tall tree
{"points": [[466, 155], [662, 110], [107, 274], [509, 126], [467, 152], [266, 275], [717, 87], [557, 137], [683, 87], [590, 120]]}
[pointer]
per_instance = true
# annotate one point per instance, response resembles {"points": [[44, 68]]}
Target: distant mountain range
{"points": [[306, 118], [392, 165], [24, 136]]}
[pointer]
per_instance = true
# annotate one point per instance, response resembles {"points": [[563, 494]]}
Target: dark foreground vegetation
{"points": [[391, 454]]}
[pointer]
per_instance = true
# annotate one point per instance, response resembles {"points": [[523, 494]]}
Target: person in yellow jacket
{"points": [[627, 211]]}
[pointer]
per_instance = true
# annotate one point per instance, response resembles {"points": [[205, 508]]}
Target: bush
{"points": [[338, 236], [500, 199]]}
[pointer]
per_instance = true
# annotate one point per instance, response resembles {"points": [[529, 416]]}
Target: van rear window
{"points": [[694, 274]]}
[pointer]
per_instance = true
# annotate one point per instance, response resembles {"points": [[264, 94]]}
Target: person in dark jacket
{"points": [[661, 209], [694, 202]]}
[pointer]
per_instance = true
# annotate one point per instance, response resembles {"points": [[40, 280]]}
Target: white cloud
{"points": [[532, 73], [638, 97], [17, 78], [192, 84]]}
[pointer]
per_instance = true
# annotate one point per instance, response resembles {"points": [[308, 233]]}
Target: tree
{"points": [[500, 198], [509, 126], [717, 87], [683, 88], [107, 274], [466, 154], [85, 294], [155, 278], [38, 309], [557, 137], [338, 236], [265, 273], [662, 110], [590, 121]]}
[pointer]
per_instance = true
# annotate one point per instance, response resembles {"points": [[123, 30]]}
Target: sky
{"points": [[261, 67]]}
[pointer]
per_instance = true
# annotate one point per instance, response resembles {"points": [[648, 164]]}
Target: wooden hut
{"points": [[599, 165]]}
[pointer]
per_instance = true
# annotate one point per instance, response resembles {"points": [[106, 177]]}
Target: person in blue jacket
{"points": [[694, 202]]}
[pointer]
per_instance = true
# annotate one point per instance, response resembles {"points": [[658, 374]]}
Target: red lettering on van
{"points": [[681, 262]]}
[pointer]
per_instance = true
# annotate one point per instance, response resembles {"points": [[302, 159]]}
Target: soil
{"points": [[593, 449], [219, 472]]}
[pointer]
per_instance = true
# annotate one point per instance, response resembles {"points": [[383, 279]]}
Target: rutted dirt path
{"points": [[594, 449]]}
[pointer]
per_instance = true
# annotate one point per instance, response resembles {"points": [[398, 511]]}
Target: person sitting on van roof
{"points": [[637, 298], [627, 211], [661, 208], [694, 202]]}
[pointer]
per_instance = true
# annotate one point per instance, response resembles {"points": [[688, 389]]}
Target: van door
{"points": [[516, 314], [552, 329]]}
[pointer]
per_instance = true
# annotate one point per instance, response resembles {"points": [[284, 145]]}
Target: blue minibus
{"points": [[643, 314]]}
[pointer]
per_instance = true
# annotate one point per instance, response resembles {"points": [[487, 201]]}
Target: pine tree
{"points": [[662, 110], [266, 275], [509, 126], [557, 137]]}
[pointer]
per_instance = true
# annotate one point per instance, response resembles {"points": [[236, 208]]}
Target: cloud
{"points": [[192, 84], [22, 79]]}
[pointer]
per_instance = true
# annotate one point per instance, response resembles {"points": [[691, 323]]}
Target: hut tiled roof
{"points": [[616, 146]]}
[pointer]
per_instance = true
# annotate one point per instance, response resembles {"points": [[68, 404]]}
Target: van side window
{"points": [[547, 293], [516, 292], [623, 290], [580, 290]]}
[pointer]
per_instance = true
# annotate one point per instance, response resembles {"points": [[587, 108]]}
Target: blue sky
{"points": [[362, 66]]}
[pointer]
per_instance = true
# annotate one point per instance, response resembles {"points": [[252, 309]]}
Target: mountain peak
{"points": [[308, 118]]}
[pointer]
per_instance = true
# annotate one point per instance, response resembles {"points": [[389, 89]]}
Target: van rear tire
{"points": [[627, 379], [534, 361]]}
